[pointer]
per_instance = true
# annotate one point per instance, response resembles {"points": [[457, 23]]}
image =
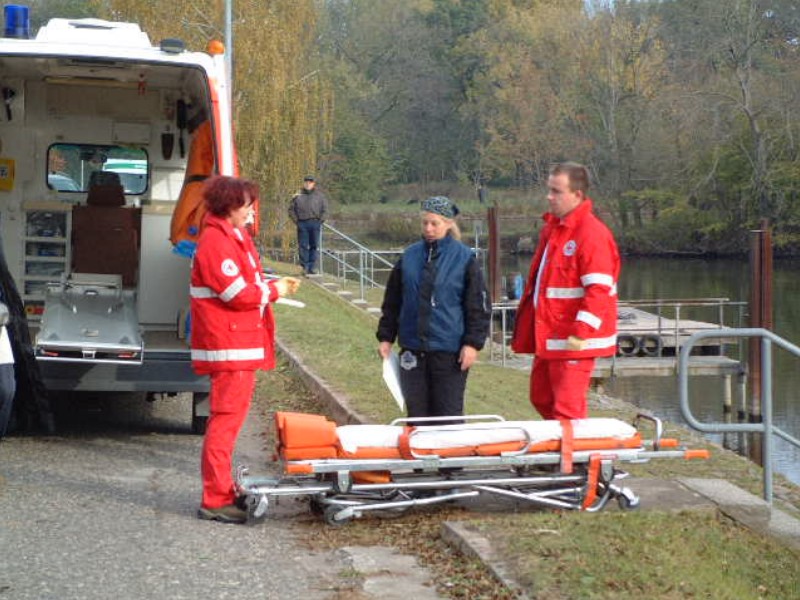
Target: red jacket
{"points": [[577, 289], [232, 327]]}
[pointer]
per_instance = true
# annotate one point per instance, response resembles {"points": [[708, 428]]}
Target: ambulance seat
{"points": [[106, 233]]}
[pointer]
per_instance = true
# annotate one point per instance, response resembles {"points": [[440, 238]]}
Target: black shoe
{"points": [[229, 513]]}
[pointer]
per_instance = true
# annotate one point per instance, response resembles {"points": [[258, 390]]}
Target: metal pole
{"points": [[766, 404], [494, 255], [229, 49], [760, 317]]}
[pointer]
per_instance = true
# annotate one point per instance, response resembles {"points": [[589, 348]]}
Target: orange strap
{"points": [[404, 443], [591, 481], [690, 454], [567, 445]]}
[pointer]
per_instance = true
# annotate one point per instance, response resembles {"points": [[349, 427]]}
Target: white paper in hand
{"points": [[391, 375]]}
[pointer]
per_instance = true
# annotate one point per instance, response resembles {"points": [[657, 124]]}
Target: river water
{"points": [[650, 279]]}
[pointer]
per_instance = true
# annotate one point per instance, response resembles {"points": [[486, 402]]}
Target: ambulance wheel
{"points": [[199, 417], [330, 513]]}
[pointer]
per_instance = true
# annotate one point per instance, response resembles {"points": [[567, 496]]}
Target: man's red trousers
{"points": [[230, 396], [558, 387]]}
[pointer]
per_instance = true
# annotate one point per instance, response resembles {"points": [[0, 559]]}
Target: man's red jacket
{"points": [[577, 266]]}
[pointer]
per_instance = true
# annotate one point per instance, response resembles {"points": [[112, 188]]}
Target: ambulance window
{"points": [[69, 166]]}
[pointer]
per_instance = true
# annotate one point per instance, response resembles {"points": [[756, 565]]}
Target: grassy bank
{"points": [[567, 555]]}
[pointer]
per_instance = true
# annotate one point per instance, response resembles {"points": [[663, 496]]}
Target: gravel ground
{"points": [[107, 508]]}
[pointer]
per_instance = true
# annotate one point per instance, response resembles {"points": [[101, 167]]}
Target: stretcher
{"points": [[351, 470]]}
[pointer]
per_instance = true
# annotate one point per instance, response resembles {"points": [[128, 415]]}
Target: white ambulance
{"points": [[95, 133]]}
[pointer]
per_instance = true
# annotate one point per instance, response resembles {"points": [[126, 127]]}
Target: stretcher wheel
{"points": [[257, 507], [330, 513], [316, 506], [627, 500]]}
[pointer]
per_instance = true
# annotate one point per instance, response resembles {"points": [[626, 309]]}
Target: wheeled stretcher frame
{"points": [[341, 489]]}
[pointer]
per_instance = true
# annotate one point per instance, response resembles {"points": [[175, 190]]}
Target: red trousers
{"points": [[230, 396], [558, 387]]}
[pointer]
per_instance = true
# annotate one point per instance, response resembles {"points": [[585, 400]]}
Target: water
{"points": [[648, 278]]}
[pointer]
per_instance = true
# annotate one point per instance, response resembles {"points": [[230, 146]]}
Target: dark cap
{"points": [[309, 178], [440, 205]]}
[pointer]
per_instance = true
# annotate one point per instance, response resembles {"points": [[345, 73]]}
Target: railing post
{"points": [[766, 407], [361, 273]]}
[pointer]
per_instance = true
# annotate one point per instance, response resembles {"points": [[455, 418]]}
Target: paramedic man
{"points": [[232, 331], [567, 316], [437, 306]]}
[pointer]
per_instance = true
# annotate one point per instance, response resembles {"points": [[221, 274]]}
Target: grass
{"points": [[642, 555], [569, 555]]}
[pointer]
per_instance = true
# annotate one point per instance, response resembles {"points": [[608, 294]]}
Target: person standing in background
{"points": [[568, 312], [308, 210]]}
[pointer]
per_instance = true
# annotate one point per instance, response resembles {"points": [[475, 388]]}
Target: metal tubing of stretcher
{"points": [[254, 486], [354, 509], [537, 497], [766, 427]]}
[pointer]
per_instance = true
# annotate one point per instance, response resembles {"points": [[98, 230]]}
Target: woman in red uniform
{"points": [[232, 331]]}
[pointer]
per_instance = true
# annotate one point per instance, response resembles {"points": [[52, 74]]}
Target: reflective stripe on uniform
{"points": [[228, 294], [228, 355], [564, 293], [591, 320], [597, 279], [201, 293], [590, 344]]}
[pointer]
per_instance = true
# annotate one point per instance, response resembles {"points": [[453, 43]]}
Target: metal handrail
{"points": [[364, 269], [766, 427], [503, 308]]}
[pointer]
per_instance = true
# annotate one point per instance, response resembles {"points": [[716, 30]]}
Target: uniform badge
{"points": [[408, 361], [570, 247], [229, 268]]}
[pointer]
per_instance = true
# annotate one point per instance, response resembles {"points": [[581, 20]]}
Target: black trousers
{"points": [[433, 384]]}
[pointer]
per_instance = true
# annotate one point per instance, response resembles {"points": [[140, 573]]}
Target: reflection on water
{"points": [[648, 278]]}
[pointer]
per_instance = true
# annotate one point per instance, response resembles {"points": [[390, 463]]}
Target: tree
{"points": [[282, 105]]}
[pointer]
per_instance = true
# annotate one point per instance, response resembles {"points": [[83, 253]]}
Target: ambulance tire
{"points": [[651, 345], [627, 345]]}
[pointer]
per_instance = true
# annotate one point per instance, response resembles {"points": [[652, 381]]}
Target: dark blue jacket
{"points": [[436, 299]]}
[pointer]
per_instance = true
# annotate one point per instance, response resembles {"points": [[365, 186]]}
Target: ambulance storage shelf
{"points": [[46, 252]]}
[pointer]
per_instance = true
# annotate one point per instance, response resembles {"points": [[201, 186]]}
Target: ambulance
{"points": [[97, 127]]}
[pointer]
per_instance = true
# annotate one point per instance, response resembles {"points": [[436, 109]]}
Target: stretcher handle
{"points": [[659, 427], [526, 442], [405, 420]]}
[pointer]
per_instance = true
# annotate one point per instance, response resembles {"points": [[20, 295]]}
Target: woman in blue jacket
{"points": [[437, 307]]}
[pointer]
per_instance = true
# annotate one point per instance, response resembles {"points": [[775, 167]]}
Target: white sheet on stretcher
{"points": [[353, 437]]}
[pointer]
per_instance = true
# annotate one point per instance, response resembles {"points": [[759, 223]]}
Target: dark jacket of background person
{"points": [[308, 204], [436, 299]]}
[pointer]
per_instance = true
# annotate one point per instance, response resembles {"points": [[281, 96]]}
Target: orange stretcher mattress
{"points": [[305, 437]]}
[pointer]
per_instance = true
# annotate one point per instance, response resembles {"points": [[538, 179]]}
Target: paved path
{"points": [[107, 510]]}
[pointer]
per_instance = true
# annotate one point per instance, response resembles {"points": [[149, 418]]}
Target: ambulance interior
{"points": [[92, 161]]}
